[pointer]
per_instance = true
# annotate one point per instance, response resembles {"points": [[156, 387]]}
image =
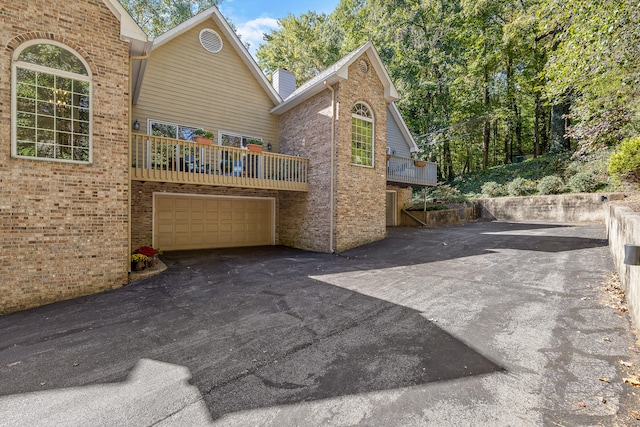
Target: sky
{"points": [[252, 18]]}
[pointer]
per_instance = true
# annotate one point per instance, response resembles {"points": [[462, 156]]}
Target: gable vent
{"points": [[210, 40], [363, 66]]}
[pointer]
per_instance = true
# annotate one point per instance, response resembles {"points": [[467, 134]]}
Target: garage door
{"points": [[199, 222]]}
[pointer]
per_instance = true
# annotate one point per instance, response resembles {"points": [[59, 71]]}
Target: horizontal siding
{"points": [[395, 140], [185, 84]]}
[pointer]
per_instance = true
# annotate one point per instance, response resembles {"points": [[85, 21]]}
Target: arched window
{"points": [[361, 135], [51, 103]]}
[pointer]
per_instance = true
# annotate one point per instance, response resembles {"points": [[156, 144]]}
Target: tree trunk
{"points": [[536, 130], [486, 137]]}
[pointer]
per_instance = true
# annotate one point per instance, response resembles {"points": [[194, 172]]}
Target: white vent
{"points": [[363, 65], [210, 40]]}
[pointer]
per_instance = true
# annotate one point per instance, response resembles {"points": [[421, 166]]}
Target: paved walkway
{"points": [[481, 324]]}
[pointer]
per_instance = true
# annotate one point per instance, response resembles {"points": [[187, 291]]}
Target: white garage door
{"points": [[199, 222]]}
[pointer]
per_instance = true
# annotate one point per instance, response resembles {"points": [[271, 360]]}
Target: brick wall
{"points": [[404, 195], [304, 220], [142, 204], [360, 191], [361, 197], [63, 227]]}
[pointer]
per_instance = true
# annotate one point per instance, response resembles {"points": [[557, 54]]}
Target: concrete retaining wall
{"points": [[623, 227], [581, 207], [440, 218]]}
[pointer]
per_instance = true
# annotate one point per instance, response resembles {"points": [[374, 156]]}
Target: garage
{"points": [[189, 221]]}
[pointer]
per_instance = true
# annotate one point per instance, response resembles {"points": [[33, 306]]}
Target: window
{"points": [[361, 135], [170, 130], [235, 139], [51, 103]]}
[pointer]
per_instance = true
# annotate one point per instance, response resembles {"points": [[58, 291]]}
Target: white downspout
{"points": [[333, 155]]}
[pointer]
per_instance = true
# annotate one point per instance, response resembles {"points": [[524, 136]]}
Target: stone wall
{"points": [[404, 199], [361, 196], [63, 225], [623, 227], [142, 204]]}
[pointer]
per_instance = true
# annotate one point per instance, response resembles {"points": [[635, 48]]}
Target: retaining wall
{"points": [[623, 227]]}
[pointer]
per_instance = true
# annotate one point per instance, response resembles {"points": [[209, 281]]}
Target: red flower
{"points": [[146, 250]]}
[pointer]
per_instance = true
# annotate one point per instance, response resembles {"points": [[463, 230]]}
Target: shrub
{"points": [[625, 162], [583, 182], [492, 189], [550, 184], [521, 187], [446, 193]]}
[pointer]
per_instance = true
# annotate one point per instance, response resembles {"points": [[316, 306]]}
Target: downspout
{"points": [[131, 59], [333, 155]]}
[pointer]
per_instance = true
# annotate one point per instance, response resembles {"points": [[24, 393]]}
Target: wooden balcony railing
{"points": [[170, 160], [406, 171]]}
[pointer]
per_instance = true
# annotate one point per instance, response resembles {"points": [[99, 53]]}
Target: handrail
{"points": [[160, 159], [405, 170]]}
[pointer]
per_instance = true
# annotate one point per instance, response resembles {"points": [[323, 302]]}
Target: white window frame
{"points": [[373, 136], [151, 122], [15, 64], [244, 138]]}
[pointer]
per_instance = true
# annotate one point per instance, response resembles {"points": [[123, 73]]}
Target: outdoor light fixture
{"points": [[632, 255], [269, 146], [136, 125]]}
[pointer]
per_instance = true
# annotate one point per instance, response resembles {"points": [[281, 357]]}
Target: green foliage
{"points": [[445, 193], [157, 16], [493, 189], [550, 184], [583, 182], [625, 162], [521, 187], [532, 169]]}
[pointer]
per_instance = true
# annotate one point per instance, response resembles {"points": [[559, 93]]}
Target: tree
{"points": [[157, 16]]}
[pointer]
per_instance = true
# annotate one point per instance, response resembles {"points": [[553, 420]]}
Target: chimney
{"points": [[284, 82]]}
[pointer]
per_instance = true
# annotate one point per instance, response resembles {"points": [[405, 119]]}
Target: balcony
{"points": [[401, 170], [160, 159]]}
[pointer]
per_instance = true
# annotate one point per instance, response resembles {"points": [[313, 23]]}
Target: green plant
{"points": [[255, 142], [521, 187], [446, 193], [492, 189], [203, 133], [625, 162], [583, 182], [550, 184]]}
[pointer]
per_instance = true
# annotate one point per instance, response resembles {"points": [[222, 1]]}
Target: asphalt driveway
{"points": [[481, 324]]}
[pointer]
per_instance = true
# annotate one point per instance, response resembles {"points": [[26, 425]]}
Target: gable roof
{"points": [[130, 31], [395, 113], [338, 72], [214, 13]]}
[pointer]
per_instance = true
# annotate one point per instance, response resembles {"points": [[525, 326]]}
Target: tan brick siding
{"points": [[360, 215], [142, 204], [361, 198], [63, 227], [304, 219]]}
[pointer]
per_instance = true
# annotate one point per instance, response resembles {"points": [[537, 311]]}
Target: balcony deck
{"points": [[401, 170], [160, 159]]}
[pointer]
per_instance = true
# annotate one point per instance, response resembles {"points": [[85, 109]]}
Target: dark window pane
{"points": [[46, 136], [81, 87], [53, 57], [46, 80], [81, 154], [81, 141], [45, 122], [45, 94], [26, 134], [64, 138], [26, 76], [46, 108], [65, 84], [26, 119], [63, 111], [26, 149], [26, 105], [64, 125], [26, 90]]}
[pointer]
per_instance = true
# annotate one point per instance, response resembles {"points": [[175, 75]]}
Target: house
{"points": [[99, 154]]}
